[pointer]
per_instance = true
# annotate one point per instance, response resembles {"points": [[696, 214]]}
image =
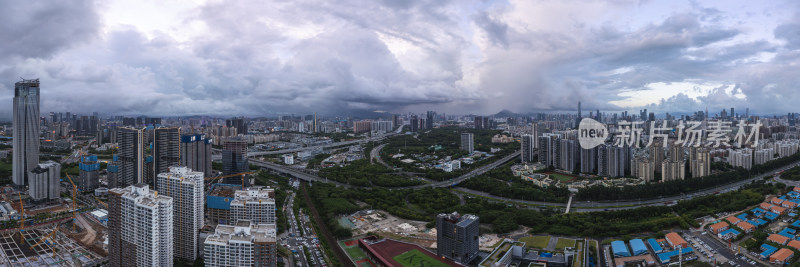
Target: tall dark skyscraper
{"points": [[429, 120], [414, 123], [166, 150], [457, 237], [578, 119], [131, 157], [478, 122], [234, 159], [239, 123], [26, 130], [196, 153]]}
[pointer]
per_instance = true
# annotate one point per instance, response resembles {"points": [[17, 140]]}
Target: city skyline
{"points": [[454, 57]]}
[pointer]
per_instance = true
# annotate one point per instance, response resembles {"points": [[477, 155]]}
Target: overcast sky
{"points": [[260, 57]]}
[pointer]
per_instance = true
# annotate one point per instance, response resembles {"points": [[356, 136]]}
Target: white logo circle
{"points": [[591, 133]]}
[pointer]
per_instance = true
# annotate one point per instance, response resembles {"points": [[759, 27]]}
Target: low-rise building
{"points": [[781, 256], [719, 227], [676, 241], [778, 239], [778, 210], [747, 227], [794, 243]]}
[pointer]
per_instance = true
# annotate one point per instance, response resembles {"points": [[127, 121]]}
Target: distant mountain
{"points": [[506, 113]]}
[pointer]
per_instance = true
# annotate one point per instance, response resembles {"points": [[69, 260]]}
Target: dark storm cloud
{"points": [[40, 29], [256, 57], [496, 30]]}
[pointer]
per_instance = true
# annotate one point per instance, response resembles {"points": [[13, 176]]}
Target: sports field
{"points": [[415, 258], [359, 257]]}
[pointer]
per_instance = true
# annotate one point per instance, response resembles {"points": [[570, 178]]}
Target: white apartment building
{"points": [[244, 244], [186, 189], [140, 227], [44, 181], [786, 148], [741, 158], [256, 204], [760, 156]]}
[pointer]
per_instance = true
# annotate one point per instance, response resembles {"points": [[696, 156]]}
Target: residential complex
{"points": [[186, 189], [196, 153], [139, 227], [131, 157], [166, 150], [256, 204], [243, 244], [44, 181]]}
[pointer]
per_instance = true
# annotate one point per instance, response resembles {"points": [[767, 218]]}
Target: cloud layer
{"points": [[338, 57]]}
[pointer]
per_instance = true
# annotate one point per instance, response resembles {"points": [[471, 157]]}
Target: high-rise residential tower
{"points": [[131, 156], [256, 204], [139, 227], [186, 189], [44, 181], [467, 142], [26, 130], [196, 153], [88, 180], [166, 150], [528, 152], [242, 244]]}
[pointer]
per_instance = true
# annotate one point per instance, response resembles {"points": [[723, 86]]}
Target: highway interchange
{"points": [[577, 206]]}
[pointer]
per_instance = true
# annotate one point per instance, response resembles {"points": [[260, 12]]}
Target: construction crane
{"points": [[74, 201], [21, 218], [101, 202], [230, 175]]}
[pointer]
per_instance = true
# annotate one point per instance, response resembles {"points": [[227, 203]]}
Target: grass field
{"points": [[561, 177], [535, 241], [565, 243], [414, 258]]}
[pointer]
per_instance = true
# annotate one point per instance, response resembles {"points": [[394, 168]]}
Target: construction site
{"points": [[50, 233], [373, 221]]}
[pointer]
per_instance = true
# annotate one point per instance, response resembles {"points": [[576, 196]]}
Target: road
{"points": [[718, 248], [309, 177], [293, 150], [375, 155], [787, 182], [301, 236]]}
